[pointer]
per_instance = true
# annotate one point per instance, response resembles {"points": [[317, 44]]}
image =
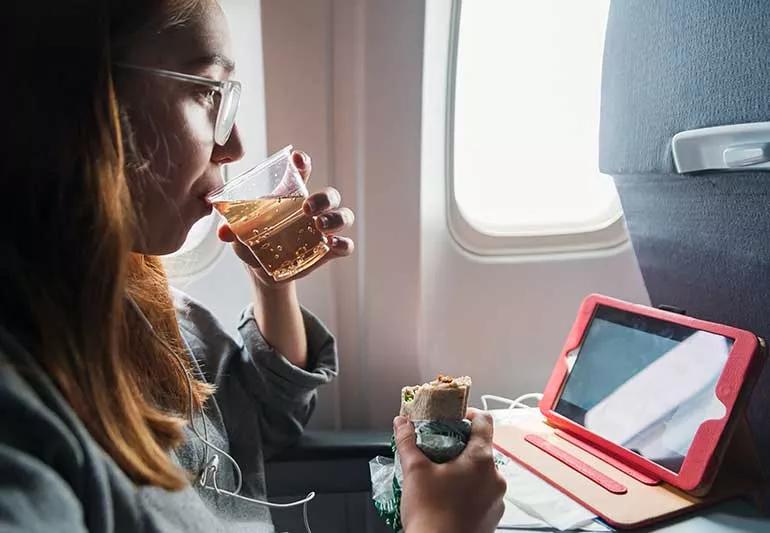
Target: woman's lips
{"points": [[207, 205], [205, 197], [209, 186]]}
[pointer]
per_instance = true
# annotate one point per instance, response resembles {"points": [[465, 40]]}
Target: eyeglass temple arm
{"points": [[176, 75]]}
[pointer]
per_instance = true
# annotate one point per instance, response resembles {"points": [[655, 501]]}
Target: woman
{"points": [[100, 365]]}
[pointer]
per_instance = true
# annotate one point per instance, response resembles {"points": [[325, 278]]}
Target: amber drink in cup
{"points": [[263, 207]]}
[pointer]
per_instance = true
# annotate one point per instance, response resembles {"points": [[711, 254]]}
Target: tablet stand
{"points": [[640, 503], [620, 494]]}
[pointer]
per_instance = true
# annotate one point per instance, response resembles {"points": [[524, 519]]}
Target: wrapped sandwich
{"points": [[444, 398], [437, 410]]}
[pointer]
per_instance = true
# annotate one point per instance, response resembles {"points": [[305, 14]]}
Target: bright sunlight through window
{"points": [[526, 122]]}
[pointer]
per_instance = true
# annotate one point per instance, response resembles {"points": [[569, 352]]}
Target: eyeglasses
{"points": [[229, 92]]}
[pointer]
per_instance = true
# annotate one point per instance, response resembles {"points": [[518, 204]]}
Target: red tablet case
{"points": [[585, 466]]}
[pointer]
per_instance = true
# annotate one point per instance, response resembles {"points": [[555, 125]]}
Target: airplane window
{"points": [[526, 118]]}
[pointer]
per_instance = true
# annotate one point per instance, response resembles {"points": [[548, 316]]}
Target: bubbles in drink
{"points": [[277, 231]]}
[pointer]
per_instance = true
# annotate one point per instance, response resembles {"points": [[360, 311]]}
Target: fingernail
{"points": [[324, 221], [299, 160]]}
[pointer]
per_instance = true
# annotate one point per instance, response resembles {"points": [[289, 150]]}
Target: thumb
{"points": [[482, 431], [406, 445]]}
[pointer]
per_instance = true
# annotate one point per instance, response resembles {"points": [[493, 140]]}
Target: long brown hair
{"points": [[66, 266]]}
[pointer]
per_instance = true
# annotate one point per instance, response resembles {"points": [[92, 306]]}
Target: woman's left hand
{"points": [[330, 219]]}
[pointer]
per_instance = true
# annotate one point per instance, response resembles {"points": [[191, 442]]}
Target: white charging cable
{"points": [[517, 403], [212, 465]]}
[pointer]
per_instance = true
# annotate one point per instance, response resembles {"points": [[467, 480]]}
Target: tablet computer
{"points": [[653, 388]]}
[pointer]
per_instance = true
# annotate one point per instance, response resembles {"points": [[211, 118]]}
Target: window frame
{"points": [[601, 237]]}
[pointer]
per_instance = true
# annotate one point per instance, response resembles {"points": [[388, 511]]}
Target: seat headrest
{"points": [[674, 65]]}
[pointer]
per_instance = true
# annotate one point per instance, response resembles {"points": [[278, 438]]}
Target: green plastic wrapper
{"points": [[440, 441]]}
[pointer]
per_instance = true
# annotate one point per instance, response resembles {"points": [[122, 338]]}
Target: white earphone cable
{"points": [[213, 464], [512, 404]]}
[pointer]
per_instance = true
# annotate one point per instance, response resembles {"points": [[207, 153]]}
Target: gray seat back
{"points": [[703, 239]]}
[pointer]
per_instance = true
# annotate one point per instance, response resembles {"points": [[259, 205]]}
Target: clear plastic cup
{"points": [[263, 207]]}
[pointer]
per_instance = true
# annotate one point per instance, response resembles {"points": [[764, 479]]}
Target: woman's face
{"points": [[173, 127]]}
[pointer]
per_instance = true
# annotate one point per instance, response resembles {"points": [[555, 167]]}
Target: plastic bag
{"points": [[439, 440]]}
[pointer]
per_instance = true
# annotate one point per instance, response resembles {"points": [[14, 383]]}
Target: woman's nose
{"points": [[231, 151]]}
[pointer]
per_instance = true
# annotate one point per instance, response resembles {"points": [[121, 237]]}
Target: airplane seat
{"points": [[702, 238], [334, 465]]}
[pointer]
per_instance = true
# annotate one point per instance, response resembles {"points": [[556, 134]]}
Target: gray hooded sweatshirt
{"points": [[55, 477]]}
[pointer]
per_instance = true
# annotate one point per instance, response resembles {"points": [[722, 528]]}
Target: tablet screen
{"points": [[644, 383]]}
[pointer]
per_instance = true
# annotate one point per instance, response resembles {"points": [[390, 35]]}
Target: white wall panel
{"points": [[344, 81]]}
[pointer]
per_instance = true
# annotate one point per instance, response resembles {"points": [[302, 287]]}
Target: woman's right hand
{"points": [[464, 495]]}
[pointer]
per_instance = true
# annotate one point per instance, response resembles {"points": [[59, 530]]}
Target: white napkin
{"points": [[531, 502]]}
